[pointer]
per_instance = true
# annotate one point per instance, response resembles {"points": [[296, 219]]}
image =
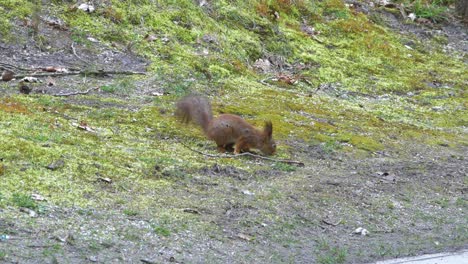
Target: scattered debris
{"points": [[210, 39], [147, 261], [156, 94], [55, 23], [310, 31], [244, 237], [50, 81], [191, 210], [86, 7], [332, 182], [386, 176], [325, 221], [23, 88], [93, 258], [84, 126], [297, 163], [262, 64], [62, 239], [283, 78], [150, 37], [50, 69], [381, 173], [246, 192], [7, 75], [77, 93], [37, 197], [56, 164], [30, 212], [30, 79], [4, 237], [202, 3], [105, 179], [361, 231]]}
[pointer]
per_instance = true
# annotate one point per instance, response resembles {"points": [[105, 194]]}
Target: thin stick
{"points": [[264, 81], [317, 39], [74, 52], [17, 68], [76, 93], [53, 74], [12, 67], [298, 163]]}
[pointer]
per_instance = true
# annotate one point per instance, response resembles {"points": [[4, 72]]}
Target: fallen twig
{"points": [[147, 261], [191, 210], [74, 52], [264, 81], [331, 223], [53, 74], [298, 163], [12, 67], [76, 93], [317, 39]]}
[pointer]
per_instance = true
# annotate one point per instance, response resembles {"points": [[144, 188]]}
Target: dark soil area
{"points": [[319, 210]]}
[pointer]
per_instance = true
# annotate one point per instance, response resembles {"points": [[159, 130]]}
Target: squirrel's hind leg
{"points": [[226, 147], [242, 145], [221, 149], [229, 147]]}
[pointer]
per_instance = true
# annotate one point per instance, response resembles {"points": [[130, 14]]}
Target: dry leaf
{"points": [[50, 69], [150, 37], [105, 179], [37, 197], [84, 126], [244, 237]]}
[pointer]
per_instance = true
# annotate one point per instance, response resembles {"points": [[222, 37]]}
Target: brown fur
{"points": [[226, 130]]}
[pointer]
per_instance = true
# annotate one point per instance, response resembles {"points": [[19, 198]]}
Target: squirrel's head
{"points": [[269, 144]]}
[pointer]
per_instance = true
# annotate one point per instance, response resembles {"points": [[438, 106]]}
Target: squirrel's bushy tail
{"points": [[195, 108]]}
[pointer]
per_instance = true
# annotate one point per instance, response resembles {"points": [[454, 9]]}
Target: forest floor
{"points": [[119, 187]]}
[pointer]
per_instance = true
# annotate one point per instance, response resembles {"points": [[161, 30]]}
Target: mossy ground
{"points": [[367, 101]]}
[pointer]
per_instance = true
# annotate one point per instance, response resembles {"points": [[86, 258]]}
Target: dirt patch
{"points": [[55, 47], [289, 216]]}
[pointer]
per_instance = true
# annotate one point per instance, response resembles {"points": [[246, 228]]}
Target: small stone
{"points": [[361, 231], [246, 192], [86, 7], [56, 165], [23, 88], [7, 75]]}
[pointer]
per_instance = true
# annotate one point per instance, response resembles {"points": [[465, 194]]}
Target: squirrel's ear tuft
{"points": [[268, 128]]}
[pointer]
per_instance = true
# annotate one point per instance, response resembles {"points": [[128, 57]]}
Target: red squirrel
{"points": [[226, 130]]}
